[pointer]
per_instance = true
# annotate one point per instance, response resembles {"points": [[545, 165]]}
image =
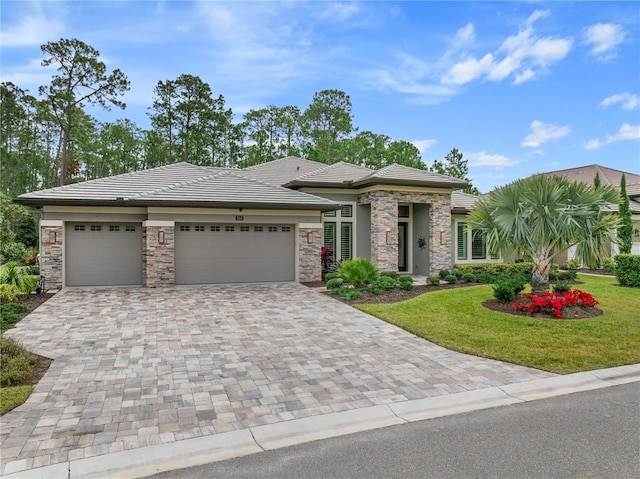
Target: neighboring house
{"points": [[186, 224], [608, 177]]}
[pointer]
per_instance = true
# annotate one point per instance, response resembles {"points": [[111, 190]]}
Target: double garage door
{"points": [[110, 254], [234, 253]]}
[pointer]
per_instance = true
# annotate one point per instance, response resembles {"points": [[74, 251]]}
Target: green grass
{"points": [[456, 319], [12, 397]]}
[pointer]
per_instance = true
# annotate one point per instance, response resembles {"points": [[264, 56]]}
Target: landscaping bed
{"points": [[570, 312], [396, 295]]}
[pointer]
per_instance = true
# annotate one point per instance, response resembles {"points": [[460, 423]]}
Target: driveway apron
{"points": [[140, 367]]}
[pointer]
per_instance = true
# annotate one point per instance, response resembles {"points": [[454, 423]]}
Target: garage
{"points": [[103, 254], [234, 253]]}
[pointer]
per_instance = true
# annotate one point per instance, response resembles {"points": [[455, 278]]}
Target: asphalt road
{"points": [[584, 435]]}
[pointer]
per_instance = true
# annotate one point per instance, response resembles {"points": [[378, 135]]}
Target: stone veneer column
{"points": [[440, 228], [158, 260], [384, 228], [309, 249], [51, 266]]}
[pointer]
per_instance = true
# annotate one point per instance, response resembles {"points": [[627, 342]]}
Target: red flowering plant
{"points": [[554, 303]]}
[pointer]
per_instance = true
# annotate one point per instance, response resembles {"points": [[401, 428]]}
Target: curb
{"points": [[151, 460]]}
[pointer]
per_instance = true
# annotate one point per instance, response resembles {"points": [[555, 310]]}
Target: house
{"points": [[187, 224], [608, 177]]}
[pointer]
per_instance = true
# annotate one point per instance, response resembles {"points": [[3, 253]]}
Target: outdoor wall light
{"points": [[309, 237], [161, 237], [52, 236]]}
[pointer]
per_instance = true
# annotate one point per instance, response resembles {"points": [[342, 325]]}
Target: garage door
{"points": [[103, 254], [223, 253]]}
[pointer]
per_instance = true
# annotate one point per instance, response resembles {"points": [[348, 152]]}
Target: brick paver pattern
{"points": [[138, 367]]}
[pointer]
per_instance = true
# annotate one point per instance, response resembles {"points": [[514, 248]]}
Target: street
{"points": [[590, 434]]}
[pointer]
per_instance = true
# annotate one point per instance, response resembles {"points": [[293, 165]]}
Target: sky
{"points": [[517, 87]]}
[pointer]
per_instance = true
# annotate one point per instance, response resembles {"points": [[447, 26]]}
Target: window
{"points": [[257, 229], [130, 228], [215, 228], [114, 228], [330, 214], [286, 229], [199, 228], [244, 228], [78, 227], [346, 211], [184, 227], [479, 245], [403, 211], [229, 229], [96, 228], [330, 238], [462, 240], [346, 245], [273, 229]]}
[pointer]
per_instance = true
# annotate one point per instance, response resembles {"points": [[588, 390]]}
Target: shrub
{"points": [[572, 265], [376, 288], [451, 279], [433, 280], [500, 268], [554, 303], [553, 276], [406, 283], [561, 288], [382, 284], [608, 265], [569, 275], [19, 277], [444, 273], [503, 292], [330, 276], [8, 293], [627, 269], [469, 278], [13, 251], [486, 278], [390, 274], [457, 273], [10, 314], [359, 272], [16, 364], [334, 284], [349, 293], [517, 282]]}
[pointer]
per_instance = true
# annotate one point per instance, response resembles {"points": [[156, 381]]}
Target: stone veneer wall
{"points": [[51, 256], [158, 260], [309, 261], [384, 219]]}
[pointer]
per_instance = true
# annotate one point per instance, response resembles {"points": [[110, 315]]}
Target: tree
{"points": [[456, 167], [596, 181], [82, 80], [540, 217], [326, 121], [625, 233]]}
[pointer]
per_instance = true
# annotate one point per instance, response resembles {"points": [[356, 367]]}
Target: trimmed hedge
{"points": [[627, 269], [500, 268]]}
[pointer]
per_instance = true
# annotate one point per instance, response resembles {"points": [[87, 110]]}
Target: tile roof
{"points": [[178, 184], [337, 174], [608, 176], [462, 202], [283, 170], [405, 175]]}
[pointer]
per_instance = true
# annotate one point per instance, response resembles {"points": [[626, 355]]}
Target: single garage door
{"points": [[103, 254], [223, 253]]}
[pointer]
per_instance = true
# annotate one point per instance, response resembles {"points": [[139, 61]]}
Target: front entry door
{"points": [[402, 246]]}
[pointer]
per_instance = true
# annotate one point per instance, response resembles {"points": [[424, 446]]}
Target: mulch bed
{"points": [[570, 312], [32, 302]]}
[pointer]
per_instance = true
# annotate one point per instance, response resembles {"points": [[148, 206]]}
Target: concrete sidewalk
{"points": [[191, 452]]}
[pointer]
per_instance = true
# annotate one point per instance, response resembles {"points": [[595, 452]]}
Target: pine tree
{"points": [[625, 232]]}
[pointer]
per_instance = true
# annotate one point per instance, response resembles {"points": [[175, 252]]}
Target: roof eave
{"points": [[425, 184]]}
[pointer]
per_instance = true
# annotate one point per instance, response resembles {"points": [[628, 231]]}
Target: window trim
{"points": [[337, 219]]}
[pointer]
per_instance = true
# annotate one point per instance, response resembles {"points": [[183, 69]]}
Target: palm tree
{"points": [[540, 217]]}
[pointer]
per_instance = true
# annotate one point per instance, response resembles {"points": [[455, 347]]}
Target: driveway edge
{"points": [[151, 460]]}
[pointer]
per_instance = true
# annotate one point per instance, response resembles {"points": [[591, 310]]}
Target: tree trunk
{"points": [[540, 279]]}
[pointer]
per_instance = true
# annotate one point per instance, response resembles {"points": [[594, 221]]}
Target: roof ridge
{"points": [[278, 160], [178, 185], [324, 168]]}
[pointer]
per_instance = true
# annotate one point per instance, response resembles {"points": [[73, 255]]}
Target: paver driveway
{"points": [[136, 367]]}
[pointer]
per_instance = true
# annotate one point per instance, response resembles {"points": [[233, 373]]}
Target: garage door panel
{"points": [[103, 254], [233, 254]]}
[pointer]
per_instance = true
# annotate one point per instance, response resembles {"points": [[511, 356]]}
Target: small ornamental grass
{"points": [[554, 303]]}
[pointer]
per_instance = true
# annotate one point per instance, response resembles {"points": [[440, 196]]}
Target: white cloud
{"points": [[626, 132], [464, 36], [543, 133], [630, 101], [32, 30], [603, 39], [483, 159], [340, 11], [423, 145], [523, 56]]}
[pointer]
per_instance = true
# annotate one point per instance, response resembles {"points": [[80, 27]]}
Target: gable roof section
{"points": [[404, 175], [180, 184], [608, 176], [281, 171], [337, 174], [462, 202]]}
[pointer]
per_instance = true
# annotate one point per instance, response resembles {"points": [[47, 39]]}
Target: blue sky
{"points": [[518, 87]]}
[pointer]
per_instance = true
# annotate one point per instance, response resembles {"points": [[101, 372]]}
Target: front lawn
{"points": [[456, 319]]}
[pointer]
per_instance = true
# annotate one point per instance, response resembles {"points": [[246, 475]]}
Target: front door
{"points": [[402, 246]]}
